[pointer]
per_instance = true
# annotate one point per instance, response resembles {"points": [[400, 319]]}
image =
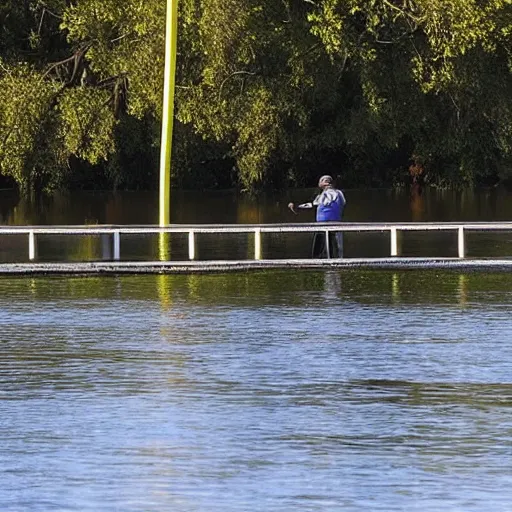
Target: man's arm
{"points": [[302, 206]]}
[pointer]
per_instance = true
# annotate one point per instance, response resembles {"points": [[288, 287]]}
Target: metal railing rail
{"points": [[460, 228]]}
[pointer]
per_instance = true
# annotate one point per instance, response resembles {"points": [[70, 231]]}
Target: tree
{"points": [[58, 110], [268, 92]]}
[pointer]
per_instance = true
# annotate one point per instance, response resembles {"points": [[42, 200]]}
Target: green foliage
{"points": [[434, 81], [25, 114], [126, 39], [86, 124], [268, 92]]}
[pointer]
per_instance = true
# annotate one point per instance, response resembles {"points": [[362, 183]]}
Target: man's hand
{"points": [[292, 208]]}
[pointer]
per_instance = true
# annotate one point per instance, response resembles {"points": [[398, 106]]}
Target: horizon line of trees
{"points": [[270, 93]]}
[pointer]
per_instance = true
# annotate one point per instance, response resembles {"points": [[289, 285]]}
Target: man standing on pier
{"points": [[330, 204]]}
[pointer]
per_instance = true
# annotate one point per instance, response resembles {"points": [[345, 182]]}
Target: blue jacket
{"points": [[330, 205]]}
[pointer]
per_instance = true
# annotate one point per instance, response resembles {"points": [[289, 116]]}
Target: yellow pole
{"points": [[171, 42]]}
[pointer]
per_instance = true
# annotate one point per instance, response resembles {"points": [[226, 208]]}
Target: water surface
{"points": [[261, 391]]}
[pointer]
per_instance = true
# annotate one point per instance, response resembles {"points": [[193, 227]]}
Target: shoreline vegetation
{"points": [[270, 94]]}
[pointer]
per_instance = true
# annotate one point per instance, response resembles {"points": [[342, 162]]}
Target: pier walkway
{"points": [[112, 237]]}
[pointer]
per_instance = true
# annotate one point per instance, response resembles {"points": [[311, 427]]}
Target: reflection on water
{"points": [[214, 207], [257, 391], [417, 203]]}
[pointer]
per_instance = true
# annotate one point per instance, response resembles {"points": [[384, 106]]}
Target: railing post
{"points": [[462, 248], [327, 248], [257, 244], [117, 246], [32, 245], [191, 245], [394, 242]]}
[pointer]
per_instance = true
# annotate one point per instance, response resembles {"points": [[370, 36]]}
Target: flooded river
{"points": [[265, 391]]}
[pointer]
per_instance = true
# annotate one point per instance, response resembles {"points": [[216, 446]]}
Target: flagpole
{"points": [[171, 42]]}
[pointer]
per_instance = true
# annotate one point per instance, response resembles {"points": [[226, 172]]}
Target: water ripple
{"points": [[189, 395]]}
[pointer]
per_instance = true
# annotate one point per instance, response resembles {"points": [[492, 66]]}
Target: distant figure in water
{"points": [[330, 204]]}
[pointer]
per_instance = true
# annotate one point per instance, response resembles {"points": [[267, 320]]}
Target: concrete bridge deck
{"points": [[180, 267]]}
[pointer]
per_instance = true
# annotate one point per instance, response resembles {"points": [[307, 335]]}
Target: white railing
{"points": [[116, 232]]}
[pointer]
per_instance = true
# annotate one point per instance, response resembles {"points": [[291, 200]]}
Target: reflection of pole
{"points": [[395, 287], [171, 40], [463, 290], [164, 287]]}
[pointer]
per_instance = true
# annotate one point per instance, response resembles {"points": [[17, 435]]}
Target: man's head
{"points": [[325, 181]]}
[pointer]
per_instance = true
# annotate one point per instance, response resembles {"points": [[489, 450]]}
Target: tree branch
{"points": [[77, 58], [235, 73]]}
